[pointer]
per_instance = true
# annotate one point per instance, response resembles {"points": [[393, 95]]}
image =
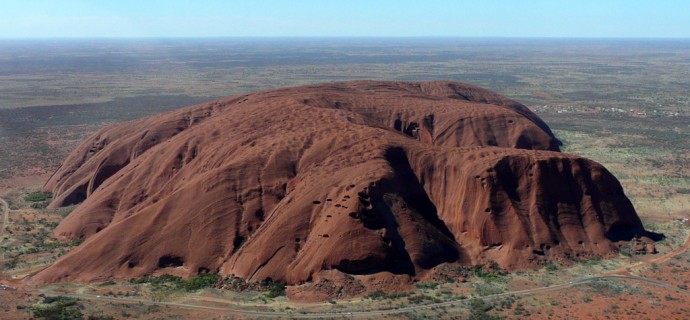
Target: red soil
{"points": [[363, 177]]}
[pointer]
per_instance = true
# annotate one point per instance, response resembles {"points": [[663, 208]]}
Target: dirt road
{"points": [[5, 221], [273, 314], [660, 259], [374, 313]]}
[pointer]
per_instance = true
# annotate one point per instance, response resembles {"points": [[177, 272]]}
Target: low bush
{"points": [[426, 285], [57, 308], [488, 272], [38, 196], [201, 281], [275, 289], [169, 282], [479, 310]]}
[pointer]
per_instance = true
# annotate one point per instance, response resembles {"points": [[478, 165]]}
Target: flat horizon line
{"points": [[337, 38]]}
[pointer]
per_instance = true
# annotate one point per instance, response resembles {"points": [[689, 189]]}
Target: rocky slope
{"points": [[364, 177]]}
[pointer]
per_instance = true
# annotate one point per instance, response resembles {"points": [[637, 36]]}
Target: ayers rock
{"points": [[364, 177]]}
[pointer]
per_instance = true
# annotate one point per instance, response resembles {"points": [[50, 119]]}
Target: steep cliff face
{"points": [[362, 177], [516, 206]]}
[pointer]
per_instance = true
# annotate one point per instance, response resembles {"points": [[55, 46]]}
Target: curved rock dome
{"points": [[362, 177]]}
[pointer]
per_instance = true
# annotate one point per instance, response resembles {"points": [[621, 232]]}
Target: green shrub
{"points": [[144, 279], [38, 196], [479, 309], [376, 295], [57, 308], [550, 267], [489, 272], [201, 281], [12, 262], [77, 241], [169, 282], [276, 289], [419, 299]]}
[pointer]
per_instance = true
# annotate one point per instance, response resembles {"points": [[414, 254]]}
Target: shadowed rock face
{"points": [[363, 177]]}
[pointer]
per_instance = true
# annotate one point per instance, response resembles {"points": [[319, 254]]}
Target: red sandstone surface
{"points": [[364, 177]]}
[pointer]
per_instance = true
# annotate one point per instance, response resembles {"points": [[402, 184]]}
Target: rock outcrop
{"points": [[362, 177]]}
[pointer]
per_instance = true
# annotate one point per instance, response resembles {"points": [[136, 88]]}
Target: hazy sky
{"points": [[214, 18]]}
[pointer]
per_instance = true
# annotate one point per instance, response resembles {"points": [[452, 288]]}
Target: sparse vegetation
{"points": [[201, 281], [489, 272], [550, 266], [479, 310], [426, 285], [642, 153], [168, 283], [488, 288], [275, 289], [380, 295], [38, 196], [57, 308]]}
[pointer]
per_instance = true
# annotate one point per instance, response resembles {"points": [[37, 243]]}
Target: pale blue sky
{"points": [[309, 18]]}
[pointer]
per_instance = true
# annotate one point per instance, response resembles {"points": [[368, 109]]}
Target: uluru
{"points": [[362, 177]]}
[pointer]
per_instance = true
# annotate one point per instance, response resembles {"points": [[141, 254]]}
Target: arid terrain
{"points": [[621, 103]]}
